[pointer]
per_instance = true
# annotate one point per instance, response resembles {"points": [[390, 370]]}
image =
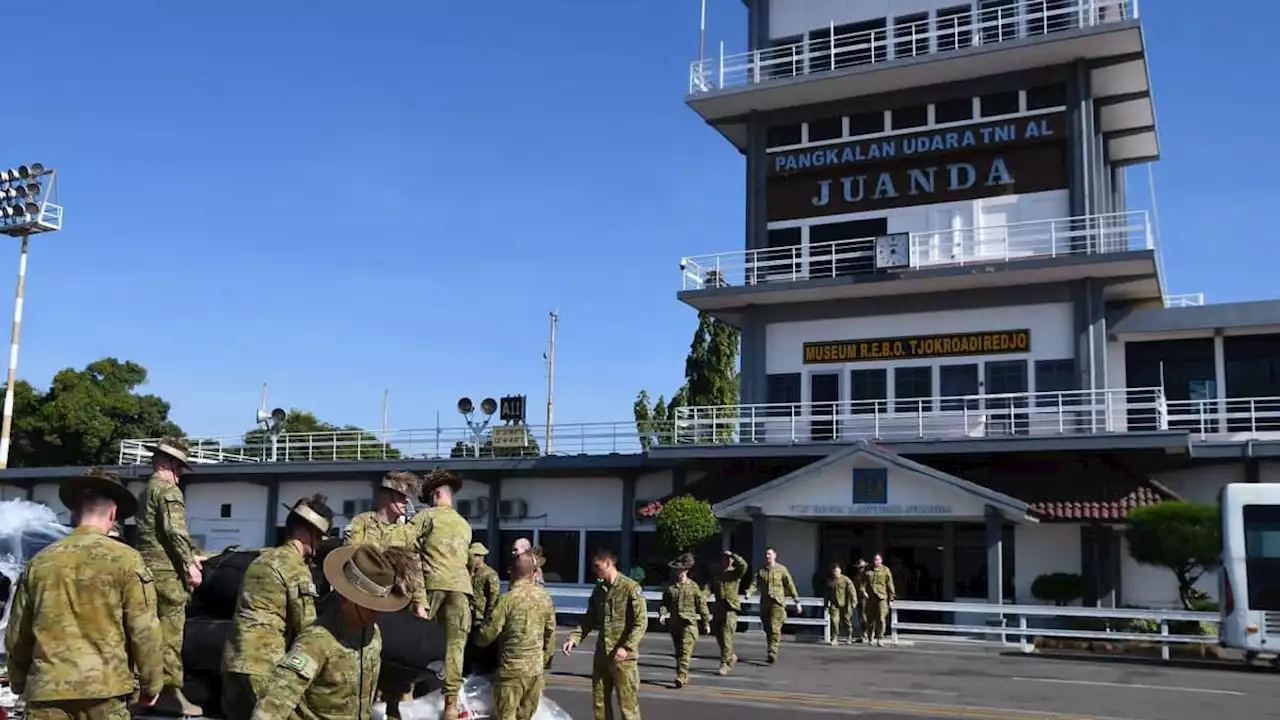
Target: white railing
{"points": [[963, 417], [1257, 417], [1015, 625], [1085, 235], [828, 52], [1182, 301]]}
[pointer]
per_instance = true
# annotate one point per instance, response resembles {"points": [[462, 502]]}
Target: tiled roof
{"points": [[1088, 488]]}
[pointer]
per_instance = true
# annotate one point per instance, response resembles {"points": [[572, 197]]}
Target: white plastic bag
{"points": [[475, 702], [25, 529]]}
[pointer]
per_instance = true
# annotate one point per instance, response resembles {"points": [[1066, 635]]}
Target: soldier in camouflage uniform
{"points": [[841, 604], [83, 610], [522, 546], [726, 584], [524, 625], [880, 593], [617, 610], [774, 583], [329, 671], [277, 600], [387, 526], [683, 611], [860, 583], [444, 545], [173, 560], [485, 586]]}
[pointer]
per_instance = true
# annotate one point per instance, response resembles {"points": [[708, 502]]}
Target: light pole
{"points": [[27, 207], [273, 423], [488, 406]]}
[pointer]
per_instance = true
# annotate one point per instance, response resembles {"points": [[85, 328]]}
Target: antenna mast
{"points": [[551, 381]]}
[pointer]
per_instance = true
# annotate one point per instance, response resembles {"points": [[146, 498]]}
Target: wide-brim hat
{"points": [[362, 575], [684, 562], [438, 478], [103, 482], [171, 448], [312, 518], [479, 549], [861, 563], [403, 482]]}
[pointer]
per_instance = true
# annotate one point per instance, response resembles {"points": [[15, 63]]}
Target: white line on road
{"points": [[722, 700], [1136, 686]]}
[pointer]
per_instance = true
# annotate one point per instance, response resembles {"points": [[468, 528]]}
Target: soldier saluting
{"points": [[617, 610], [727, 586], [174, 562], [83, 609], [277, 600], [774, 583], [684, 609]]}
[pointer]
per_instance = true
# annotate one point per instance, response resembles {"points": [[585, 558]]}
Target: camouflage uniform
{"points": [[687, 607], [167, 550], [328, 673], [524, 624], [444, 543], [485, 589], [880, 593], [774, 585], [83, 610], [619, 612], [277, 600], [727, 586], [842, 603]]}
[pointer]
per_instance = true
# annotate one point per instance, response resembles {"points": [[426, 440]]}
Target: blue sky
{"points": [[340, 202]]}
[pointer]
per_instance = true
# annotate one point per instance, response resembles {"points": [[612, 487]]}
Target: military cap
{"points": [[684, 562], [439, 477], [479, 549], [174, 447], [861, 563], [403, 482], [314, 511], [102, 482], [364, 576]]}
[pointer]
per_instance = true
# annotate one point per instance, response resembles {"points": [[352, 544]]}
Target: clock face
{"points": [[893, 251]]}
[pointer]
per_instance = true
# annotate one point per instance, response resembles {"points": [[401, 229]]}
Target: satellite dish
{"points": [[489, 406], [464, 406]]}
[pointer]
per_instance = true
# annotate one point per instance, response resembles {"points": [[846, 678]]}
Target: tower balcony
{"points": [[988, 40]]}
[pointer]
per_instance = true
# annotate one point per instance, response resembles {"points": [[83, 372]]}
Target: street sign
{"points": [[511, 408], [511, 436]]}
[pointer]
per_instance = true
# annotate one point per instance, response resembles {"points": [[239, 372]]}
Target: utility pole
{"points": [[386, 395], [6, 425], [551, 381], [702, 34]]}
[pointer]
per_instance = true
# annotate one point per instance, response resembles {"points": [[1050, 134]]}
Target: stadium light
{"points": [[488, 406], [28, 206]]}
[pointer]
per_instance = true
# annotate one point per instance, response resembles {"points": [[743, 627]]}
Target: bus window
{"points": [[1261, 525]]}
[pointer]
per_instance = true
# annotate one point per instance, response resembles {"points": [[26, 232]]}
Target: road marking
{"points": [[1137, 686]]}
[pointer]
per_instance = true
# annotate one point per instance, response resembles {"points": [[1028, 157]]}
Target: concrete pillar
{"points": [[626, 550], [948, 561], [273, 512], [494, 524], [759, 536], [995, 556]]}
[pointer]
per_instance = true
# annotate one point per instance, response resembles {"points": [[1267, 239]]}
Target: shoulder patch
{"points": [[144, 574], [298, 662], [308, 588]]}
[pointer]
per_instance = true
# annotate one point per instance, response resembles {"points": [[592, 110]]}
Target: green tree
{"points": [[306, 437], [684, 523], [710, 381], [653, 422], [84, 416], [1181, 536]]}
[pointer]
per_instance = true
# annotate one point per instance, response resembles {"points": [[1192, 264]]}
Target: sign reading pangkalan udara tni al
{"points": [[962, 163]]}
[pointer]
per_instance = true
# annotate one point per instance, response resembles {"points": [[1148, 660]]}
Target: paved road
{"points": [[900, 683]]}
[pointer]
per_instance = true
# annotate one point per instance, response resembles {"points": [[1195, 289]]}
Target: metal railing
{"points": [[1181, 301], [1250, 417], [1008, 625], [825, 51], [961, 417], [1084, 235]]}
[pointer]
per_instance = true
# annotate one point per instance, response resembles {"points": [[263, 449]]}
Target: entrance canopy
{"points": [[865, 481]]}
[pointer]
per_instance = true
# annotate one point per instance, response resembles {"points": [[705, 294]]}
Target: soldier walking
{"points": [[174, 562], [880, 594], [523, 623], [727, 586], [842, 603], [329, 671], [277, 600], [444, 544], [618, 611], [82, 610], [774, 583], [683, 611], [860, 573]]}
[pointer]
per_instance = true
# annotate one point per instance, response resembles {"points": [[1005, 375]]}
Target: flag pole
{"points": [[702, 34]]}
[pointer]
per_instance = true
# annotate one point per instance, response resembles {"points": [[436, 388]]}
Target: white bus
{"points": [[1249, 582]]}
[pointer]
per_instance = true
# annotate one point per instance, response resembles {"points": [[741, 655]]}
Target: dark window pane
{"points": [[955, 28], [909, 117], [824, 394], [1046, 16], [844, 248], [909, 383], [602, 540], [827, 129], [507, 540], [560, 548], [911, 35], [780, 260], [787, 60], [649, 557], [1005, 103], [1054, 376], [867, 390], [225, 510], [779, 135], [861, 43], [868, 123], [955, 382], [957, 110], [1046, 96], [999, 20]]}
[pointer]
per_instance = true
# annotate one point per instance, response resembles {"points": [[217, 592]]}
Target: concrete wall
{"points": [[797, 546], [792, 17], [593, 503], [1040, 549]]}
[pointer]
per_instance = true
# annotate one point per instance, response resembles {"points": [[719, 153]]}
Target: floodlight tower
{"points": [[28, 206], [488, 406]]}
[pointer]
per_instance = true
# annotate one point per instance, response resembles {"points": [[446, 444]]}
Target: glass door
{"points": [[1007, 411], [824, 395]]}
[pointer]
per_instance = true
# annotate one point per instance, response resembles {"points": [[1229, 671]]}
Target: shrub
{"points": [[684, 523], [1059, 588]]}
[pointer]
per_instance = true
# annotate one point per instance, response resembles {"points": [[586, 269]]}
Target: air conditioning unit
{"points": [[473, 508], [513, 509]]}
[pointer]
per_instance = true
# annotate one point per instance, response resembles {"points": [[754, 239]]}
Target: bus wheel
{"points": [[1250, 656]]}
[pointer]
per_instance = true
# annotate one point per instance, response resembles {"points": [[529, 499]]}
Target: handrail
{"points": [[826, 51]]}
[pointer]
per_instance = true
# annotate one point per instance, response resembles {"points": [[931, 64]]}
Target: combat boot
{"points": [[724, 669], [450, 708], [173, 702]]}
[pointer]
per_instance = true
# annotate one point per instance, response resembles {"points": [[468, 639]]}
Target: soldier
{"points": [[387, 526], [617, 610], [277, 600], [860, 582], [522, 546], [880, 593], [83, 609], [842, 603], [485, 586], [524, 624], [444, 542], [329, 671], [727, 586], [684, 609], [173, 560], [774, 583]]}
